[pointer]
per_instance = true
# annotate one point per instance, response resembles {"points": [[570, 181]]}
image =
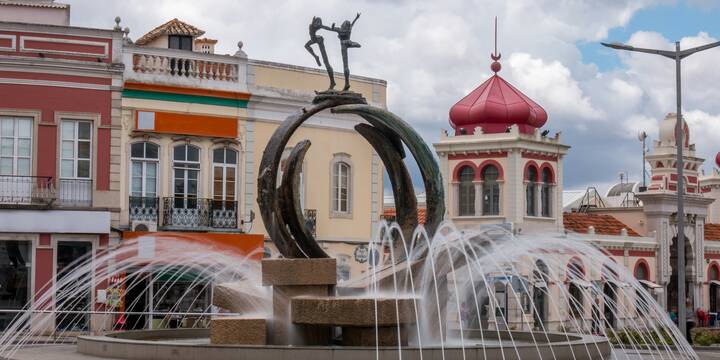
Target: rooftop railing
{"points": [[193, 213], [181, 67]]}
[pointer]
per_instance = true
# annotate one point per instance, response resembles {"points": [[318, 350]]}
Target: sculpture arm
{"points": [[356, 18]]}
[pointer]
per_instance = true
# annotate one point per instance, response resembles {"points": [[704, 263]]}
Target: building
{"points": [[60, 107], [194, 127]]}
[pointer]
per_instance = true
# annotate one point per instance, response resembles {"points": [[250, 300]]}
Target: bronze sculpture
{"points": [[388, 135], [343, 33], [315, 25]]}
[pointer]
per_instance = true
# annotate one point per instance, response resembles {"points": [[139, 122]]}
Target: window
{"points": [[76, 148], [15, 270], [15, 146], [341, 187], [641, 272], [144, 159], [186, 170], [466, 192], [224, 171], [490, 190], [546, 193], [575, 273], [530, 192], [180, 42]]}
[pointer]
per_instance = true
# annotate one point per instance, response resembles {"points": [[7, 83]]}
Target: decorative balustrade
{"points": [[187, 212], [144, 209], [182, 65], [311, 220], [26, 190]]}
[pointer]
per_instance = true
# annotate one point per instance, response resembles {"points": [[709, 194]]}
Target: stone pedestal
{"points": [[358, 317], [292, 278], [238, 331]]}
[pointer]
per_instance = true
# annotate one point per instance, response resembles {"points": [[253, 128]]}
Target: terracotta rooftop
{"points": [[712, 232], [206, 40], [39, 4], [389, 214], [604, 224], [172, 27]]}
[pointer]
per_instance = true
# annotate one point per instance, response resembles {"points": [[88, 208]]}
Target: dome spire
{"points": [[495, 66]]}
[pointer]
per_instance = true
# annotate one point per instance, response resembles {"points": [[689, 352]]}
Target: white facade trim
{"points": [[12, 42], [105, 46], [65, 84], [55, 221]]}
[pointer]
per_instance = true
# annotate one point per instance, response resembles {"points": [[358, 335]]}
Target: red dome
{"points": [[494, 106], [717, 159]]}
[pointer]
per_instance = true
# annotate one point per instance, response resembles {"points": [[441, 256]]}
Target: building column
{"points": [[478, 198], [44, 280]]}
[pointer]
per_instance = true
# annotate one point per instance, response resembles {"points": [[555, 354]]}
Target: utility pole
{"points": [[676, 55]]}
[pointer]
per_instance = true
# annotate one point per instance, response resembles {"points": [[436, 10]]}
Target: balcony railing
{"points": [[144, 209], [75, 192], [311, 220], [26, 190], [184, 212], [181, 67]]}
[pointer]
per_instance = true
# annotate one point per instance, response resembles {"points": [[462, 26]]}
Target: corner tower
{"points": [[499, 167]]}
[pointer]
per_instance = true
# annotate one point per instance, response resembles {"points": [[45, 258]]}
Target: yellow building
{"points": [[195, 125]]}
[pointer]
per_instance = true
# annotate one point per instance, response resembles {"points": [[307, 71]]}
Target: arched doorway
{"points": [[540, 290], [610, 294], [714, 287]]}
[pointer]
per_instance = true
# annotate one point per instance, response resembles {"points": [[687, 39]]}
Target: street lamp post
{"points": [[677, 55]]}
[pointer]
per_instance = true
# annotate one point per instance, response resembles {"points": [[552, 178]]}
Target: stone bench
{"points": [[357, 317], [236, 330]]}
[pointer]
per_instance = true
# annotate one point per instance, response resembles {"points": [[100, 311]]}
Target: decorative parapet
{"points": [[184, 68]]}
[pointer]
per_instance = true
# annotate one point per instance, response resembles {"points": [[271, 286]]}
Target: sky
{"points": [[432, 53]]}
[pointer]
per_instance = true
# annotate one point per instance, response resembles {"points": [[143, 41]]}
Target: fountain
{"points": [[440, 293]]}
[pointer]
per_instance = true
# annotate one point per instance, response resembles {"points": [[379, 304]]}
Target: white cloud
{"points": [[551, 85]]}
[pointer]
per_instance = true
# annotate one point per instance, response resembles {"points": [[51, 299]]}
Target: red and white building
{"points": [[60, 99]]}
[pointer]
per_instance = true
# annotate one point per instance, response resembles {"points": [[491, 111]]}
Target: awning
{"points": [[714, 282], [650, 284]]}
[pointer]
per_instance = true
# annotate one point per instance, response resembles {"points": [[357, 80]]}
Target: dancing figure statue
{"points": [[344, 32], [313, 28]]}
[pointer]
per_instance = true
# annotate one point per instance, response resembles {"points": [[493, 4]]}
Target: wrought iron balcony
{"points": [[22, 191], [75, 192], [144, 209], [311, 220], [187, 212]]}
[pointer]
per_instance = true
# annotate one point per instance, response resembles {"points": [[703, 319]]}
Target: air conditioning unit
{"points": [[147, 226]]}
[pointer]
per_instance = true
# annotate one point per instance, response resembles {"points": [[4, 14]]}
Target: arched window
{"points": [[466, 191], [641, 271], [186, 171], [144, 158], [531, 192], [341, 187], [713, 273], [224, 174], [490, 190], [575, 299], [546, 193]]}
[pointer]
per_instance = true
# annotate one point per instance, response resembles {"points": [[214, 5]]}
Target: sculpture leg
{"points": [[346, 69], [310, 50], [323, 53]]}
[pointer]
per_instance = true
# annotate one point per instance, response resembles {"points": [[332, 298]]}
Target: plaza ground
{"points": [[68, 352]]}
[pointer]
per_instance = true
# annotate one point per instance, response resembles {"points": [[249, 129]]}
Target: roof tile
{"points": [[172, 27], [603, 224]]}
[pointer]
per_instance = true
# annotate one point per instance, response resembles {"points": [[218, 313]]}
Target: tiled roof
{"points": [[206, 40], [390, 213], [712, 232], [604, 224], [172, 27], [40, 4]]}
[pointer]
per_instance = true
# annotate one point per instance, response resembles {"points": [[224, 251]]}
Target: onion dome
{"points": [[667, 130], [494, 106], [717, 159]]}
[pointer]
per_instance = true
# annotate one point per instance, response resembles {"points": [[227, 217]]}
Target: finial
{"points": [[117, 24], [240, 52], [495, 66]]}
